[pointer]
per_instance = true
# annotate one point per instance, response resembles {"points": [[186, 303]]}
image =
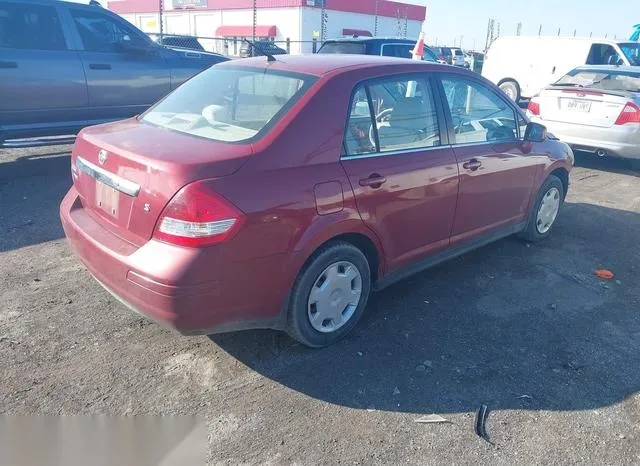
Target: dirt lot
{"points": [[553, 351]]}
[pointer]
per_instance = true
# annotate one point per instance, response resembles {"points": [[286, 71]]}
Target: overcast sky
{"points": [[448, 20]]}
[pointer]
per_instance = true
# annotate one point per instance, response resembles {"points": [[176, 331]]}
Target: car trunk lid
{"points": [[588, 107], [126, 172]]}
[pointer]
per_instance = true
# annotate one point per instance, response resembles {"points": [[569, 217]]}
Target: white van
{"points": [[522, 65]]}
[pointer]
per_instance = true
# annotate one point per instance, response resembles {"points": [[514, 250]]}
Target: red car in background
{"points": [[280, 194]]}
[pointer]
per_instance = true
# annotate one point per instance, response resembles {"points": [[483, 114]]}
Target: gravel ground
{"points": [[527, 330]]}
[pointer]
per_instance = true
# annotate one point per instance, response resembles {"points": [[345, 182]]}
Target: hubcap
{"points": [[334, 297], [548, 210]]}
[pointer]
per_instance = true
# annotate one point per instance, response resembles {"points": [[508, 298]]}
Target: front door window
{"points": [[478, 114]]}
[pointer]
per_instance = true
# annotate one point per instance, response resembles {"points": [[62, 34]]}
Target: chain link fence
{"points": [[236, 47]]}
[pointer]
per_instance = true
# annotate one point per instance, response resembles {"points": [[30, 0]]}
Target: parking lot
{"points": [[527, 330]]}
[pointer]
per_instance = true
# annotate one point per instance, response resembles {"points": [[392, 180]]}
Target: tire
{"points": [[540, 227], [511, 88], [301, 309]]}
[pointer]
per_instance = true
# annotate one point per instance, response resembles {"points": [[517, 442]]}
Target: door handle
{"points": [[8, 64], [472, 165], [100, 66], [374, 181]]}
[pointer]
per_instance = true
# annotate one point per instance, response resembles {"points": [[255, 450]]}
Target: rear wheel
{"points": [[511, 88], [545, 210], [329, 295]]}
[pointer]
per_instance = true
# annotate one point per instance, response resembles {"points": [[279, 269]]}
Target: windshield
{"points": [[632, 52], [228, 104], [601, 79], [354, 48]]}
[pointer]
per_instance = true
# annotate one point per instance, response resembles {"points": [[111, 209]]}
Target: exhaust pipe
{"points": [[601, 152]]}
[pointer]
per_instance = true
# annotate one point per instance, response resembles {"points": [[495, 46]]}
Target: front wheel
{"points": [[545, 210], [329, 295]]}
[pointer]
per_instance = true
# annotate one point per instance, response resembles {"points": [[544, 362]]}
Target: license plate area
{"points": [[107, 199], [575, 105]]}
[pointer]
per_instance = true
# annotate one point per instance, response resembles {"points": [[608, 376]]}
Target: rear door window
{"points": [[30, 26], [478, 114], [392, 115], [354, 48], [397, 50], [102, 33]]}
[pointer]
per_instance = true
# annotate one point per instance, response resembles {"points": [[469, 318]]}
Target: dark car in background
{"points": [[180, 42], [64, 66], [259, 48], [384, 46]]}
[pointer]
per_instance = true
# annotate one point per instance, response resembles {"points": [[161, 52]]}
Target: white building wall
{"points": [[296, 24]]}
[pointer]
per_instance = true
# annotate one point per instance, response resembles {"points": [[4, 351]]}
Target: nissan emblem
{"points": [[102, 156]]}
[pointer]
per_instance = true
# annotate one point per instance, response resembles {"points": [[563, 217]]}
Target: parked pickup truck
{"points": [[65, 65]]}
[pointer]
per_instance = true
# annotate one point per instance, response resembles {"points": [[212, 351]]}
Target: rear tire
{"points": [[546, 208], [306, 321], [511, 88]]}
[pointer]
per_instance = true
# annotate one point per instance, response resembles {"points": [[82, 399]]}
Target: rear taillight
{"points": [[630, 114], [534, 106], [197, 216]]}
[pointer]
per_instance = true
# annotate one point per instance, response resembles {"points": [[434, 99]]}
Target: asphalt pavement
{"points": [[527, 330]]}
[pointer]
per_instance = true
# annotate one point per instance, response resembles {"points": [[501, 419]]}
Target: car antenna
{"points": [[269, 56]]}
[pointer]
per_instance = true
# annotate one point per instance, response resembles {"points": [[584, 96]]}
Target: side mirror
{"points": [[535, 132]]}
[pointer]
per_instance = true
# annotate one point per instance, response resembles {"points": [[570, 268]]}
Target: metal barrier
{"points": [[236, 46]]}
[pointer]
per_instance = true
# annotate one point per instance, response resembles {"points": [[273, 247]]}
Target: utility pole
{"points": [[161, 8], [398, 23], [519, 29], [375, 24], [461, 39], [540, 30], [498, 35], [575, 31], [489, 34], [324, 17], [255, 18], [558, 32], [406, 22]]}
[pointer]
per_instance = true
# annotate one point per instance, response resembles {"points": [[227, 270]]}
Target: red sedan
{"points": [[280, 194]]}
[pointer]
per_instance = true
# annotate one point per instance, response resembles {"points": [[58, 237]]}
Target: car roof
{"points": [[319, 64], [607, 68], [73, 3]]}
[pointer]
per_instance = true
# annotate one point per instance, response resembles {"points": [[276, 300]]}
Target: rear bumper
{"points": [[618, 141], [150, 280]]}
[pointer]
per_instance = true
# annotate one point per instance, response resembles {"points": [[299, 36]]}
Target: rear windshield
{"points": [[604, 80], [459, 53], [229, 104], [354, 48]]}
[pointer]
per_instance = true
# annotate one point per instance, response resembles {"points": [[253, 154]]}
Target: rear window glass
{"points": [[604, 80], [343, 47], [229, 104]]}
